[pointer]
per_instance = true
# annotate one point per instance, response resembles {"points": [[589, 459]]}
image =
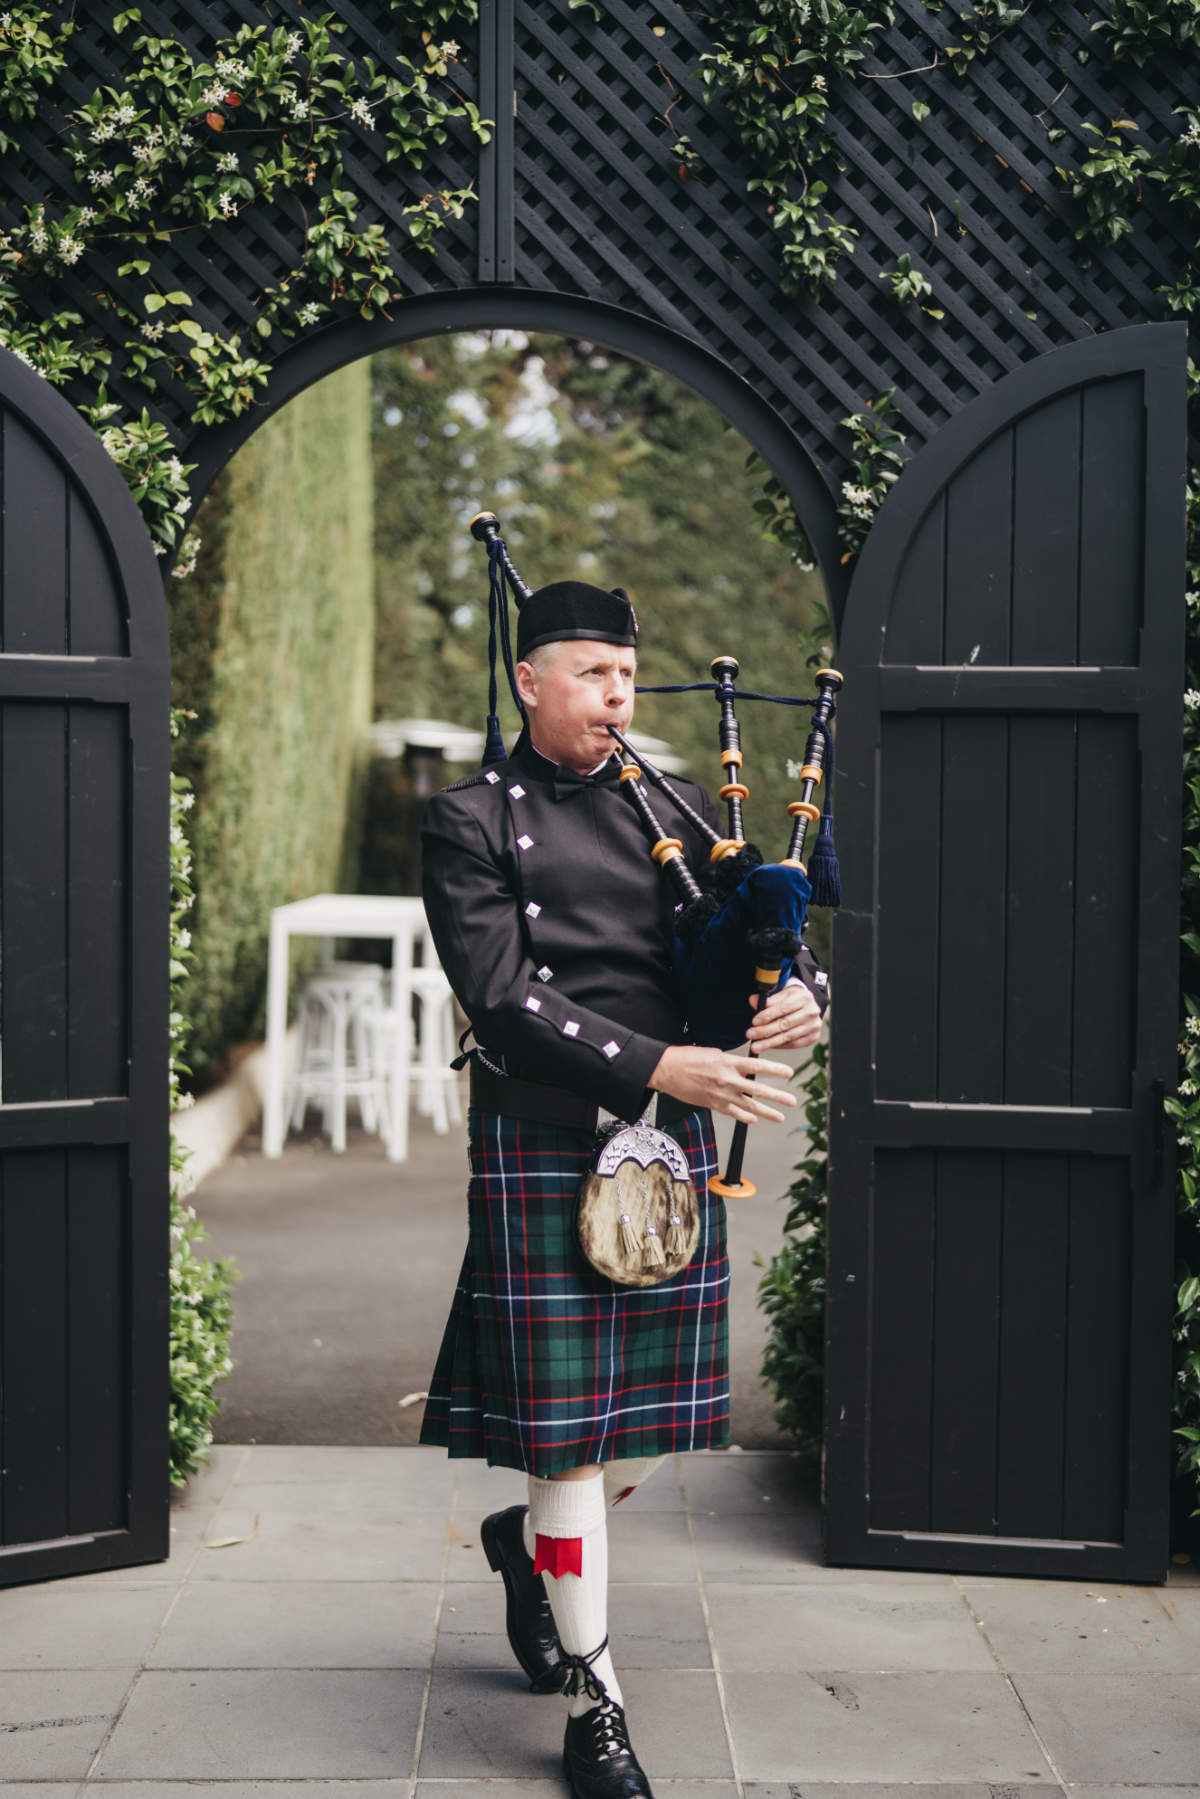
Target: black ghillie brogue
{"points": [[598, 1759], [527, 1618]]}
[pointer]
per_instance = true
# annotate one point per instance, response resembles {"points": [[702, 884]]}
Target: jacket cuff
{"points": [[626, 1090]]}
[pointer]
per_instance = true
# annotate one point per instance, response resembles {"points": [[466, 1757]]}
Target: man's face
{"points": [[573, 693]]}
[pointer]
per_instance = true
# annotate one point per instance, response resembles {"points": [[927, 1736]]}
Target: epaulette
{"points": [[477, 779]]}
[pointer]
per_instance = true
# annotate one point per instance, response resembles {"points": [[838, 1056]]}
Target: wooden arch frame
{"points": [[565, 315]]}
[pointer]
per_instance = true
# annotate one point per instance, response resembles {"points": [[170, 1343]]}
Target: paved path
{"points": [[348, 1266], [327, 1622]]}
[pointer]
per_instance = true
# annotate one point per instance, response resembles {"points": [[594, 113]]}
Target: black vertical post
{"points": [[497, 101]]}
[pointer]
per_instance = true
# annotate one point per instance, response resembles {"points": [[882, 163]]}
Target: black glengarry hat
{"points": [[567, 610]]}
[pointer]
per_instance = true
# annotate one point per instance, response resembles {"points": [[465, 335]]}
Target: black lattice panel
{"points": [[225, 269], [600, 210]]}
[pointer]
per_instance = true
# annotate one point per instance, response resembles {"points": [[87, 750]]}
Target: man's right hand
{"points": [[721, 1082]]}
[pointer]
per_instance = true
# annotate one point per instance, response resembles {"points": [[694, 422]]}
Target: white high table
{"points": [[400, 917]]}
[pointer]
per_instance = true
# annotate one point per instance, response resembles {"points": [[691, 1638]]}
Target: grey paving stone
{"points": [[881, 1727], [51, 1725], [554, 1789], [36, 1789], [819, 1789], [649, 1546], [477, 1728], [78, 1624], [481, 1489], [242, 1789], [1134, 1792], [783, 1549], [351, 1538], [1062, 1627], [858, 1626], [423, 1478], [299, 1624], [657, 1627], [1117, 1727], [490, 1727], [749, 1481], [249, 1725], [650, 1627]]}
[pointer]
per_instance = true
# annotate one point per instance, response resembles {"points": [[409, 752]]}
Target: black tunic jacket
{"points": [[554, 926]]}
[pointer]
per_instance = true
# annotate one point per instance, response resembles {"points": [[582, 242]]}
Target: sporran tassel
{"points": [[675, 1244], [652, 1254], [629, 1237]]}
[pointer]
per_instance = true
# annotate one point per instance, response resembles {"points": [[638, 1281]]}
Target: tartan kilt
{"points": [[546, 1364]]}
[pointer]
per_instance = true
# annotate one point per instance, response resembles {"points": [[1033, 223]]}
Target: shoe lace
{"points": [[582, 1679], [611, 1733]]}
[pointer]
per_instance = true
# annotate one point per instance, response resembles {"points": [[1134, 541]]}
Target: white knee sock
{"points": [[569, 1518], [620, 1478]]}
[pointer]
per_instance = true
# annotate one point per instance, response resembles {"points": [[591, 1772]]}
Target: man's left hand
{"points": [[789, 1019]]}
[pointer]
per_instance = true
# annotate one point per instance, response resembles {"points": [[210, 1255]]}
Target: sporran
{"points": [[637, 1219]]}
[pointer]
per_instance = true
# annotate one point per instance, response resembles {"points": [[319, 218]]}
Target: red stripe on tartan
{"points": [[557, 1556]]}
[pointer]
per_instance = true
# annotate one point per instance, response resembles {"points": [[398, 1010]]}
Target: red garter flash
{"points": [[557, 1556], [624, 1494]]}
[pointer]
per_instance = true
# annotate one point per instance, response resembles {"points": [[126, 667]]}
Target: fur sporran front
{"points": [[637, 1219]]}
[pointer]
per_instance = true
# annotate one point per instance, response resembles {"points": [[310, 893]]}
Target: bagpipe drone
{"points": [[740, 920]]}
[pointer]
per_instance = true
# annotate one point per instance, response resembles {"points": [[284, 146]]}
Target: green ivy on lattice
{"points": [[186, 145]]}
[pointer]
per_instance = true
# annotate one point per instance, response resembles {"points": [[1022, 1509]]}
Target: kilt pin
{"points": [[545, 1364]]}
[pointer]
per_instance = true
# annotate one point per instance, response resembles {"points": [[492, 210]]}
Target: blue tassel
{"points": [[493, 748], [823, 871]]}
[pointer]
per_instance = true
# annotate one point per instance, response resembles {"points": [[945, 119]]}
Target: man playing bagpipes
{"points": [[556, 929]]}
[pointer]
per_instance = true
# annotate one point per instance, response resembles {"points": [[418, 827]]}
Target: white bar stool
{"points": [[434, 1044], [339, 1050]]}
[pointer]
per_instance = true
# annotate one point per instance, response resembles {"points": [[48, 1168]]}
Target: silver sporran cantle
{"points": [[637, 1219]]}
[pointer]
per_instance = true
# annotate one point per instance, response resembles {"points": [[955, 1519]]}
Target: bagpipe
{"points": [[739, 920]]}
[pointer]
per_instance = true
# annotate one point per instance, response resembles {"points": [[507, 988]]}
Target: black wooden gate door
{"points": [[84, 751], [1000, 1248]]}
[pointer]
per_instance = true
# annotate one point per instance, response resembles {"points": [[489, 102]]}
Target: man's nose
{"points": [[616, 692]]}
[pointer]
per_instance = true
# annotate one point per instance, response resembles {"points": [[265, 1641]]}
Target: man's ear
{"points": [[527, 683]]}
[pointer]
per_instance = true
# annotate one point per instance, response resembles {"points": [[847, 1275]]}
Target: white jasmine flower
{"points": [[227, 204], [228, 163], [153, 330], [160, 549], [230, 69], [100, 177], [103, 131], [1191, 698], [38, 237], [183, 505], [187, 140], [175, 469], [449, 50], [309, 314], [300, 108], [360, 109], [69, 249], [295, 43], [818, 82], [87, 215], [1192, 1027], [141, 188], [125, 115], [212, 96], [1192, 134], [182, 1104]]}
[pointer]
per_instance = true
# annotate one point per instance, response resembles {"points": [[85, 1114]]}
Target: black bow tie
{"points": [[567, 782]]}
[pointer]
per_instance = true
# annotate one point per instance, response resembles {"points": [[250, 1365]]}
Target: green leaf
{"points": [[153, 302]]}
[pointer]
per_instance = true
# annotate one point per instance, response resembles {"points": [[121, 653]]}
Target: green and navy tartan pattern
{"points": [[547, 1365]]}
